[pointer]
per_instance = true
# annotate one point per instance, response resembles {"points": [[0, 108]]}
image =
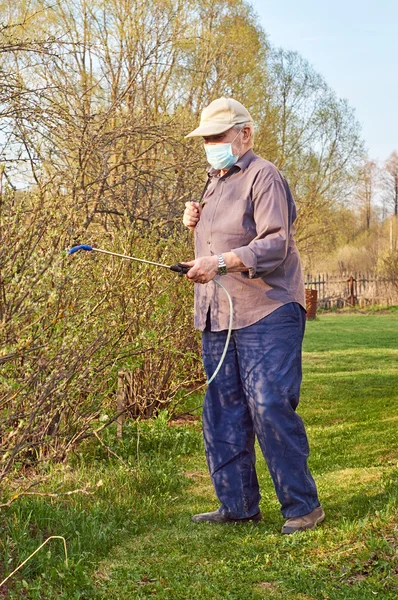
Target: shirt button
{"points": [[209, 243]]}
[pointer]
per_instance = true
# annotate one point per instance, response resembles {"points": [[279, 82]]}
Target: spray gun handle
{"points": [[180, 268]]}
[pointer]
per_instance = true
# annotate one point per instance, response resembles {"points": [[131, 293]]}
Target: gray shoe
{"points": [[218, 517], [309, 521]]}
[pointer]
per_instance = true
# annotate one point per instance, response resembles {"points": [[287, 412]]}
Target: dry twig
{"points": [[52, 537]]}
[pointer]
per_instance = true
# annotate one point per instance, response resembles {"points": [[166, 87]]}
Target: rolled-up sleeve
{"points": [[271, 215]]}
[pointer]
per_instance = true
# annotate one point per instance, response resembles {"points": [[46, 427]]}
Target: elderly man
{"points": [[244, 234]]}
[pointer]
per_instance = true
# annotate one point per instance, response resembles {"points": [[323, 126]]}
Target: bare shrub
{"points": [[68, 324]]}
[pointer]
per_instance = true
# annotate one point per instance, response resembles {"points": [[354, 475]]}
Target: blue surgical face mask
{"points": [[220, 156]]}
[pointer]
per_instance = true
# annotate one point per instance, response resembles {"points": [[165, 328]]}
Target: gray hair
{"points": [[240, 126]]}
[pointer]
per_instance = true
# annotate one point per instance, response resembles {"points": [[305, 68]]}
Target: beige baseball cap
{"points": [[219, 116]]}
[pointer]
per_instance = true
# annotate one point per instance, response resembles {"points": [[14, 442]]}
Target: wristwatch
{"points": [[222, 267]]}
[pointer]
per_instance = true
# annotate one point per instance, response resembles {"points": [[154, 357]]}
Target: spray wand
{"points": [[179, 268]]}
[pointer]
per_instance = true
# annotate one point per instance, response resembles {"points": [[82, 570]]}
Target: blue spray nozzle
{"points": [[77, 248]]}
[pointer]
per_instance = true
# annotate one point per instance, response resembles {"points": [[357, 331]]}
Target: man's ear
{"points": [[246, 134]]}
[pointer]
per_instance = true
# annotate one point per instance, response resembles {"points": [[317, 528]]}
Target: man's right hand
{"points": [[191, 214]]}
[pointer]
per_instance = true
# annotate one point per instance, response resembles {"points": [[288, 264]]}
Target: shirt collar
{"points": [[245, 160]]}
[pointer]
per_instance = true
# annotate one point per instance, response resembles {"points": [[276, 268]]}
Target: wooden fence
{"points": [[345, 289]]}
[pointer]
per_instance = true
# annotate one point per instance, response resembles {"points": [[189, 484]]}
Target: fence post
{"points": [[311, 297], [352, 280]]}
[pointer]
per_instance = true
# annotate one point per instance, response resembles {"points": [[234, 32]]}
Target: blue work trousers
{"points": [[256, 393]]}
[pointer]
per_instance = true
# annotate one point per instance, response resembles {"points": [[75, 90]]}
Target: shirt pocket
{"points": [[235, 220]]}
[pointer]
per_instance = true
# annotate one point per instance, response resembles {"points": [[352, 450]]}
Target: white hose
{"points": [[231, 314]]}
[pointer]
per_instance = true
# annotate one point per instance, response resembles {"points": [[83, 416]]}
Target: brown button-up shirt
{"points": [[249, 210]]}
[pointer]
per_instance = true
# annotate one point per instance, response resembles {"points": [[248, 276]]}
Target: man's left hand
{"points": [[202, 269]]}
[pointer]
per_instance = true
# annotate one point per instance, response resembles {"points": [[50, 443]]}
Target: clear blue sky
{"points": [[354, 45]]}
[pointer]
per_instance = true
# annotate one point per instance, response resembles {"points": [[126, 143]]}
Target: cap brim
{"points": [[210, 129]]}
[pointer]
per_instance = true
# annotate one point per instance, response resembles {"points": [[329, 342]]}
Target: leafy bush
{"points": [[70, 323]]}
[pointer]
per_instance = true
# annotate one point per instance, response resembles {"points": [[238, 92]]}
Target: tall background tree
{"points": [[390, 181]]}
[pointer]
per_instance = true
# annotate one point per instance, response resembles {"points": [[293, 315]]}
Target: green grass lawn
{"points": [[134, 539]]}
